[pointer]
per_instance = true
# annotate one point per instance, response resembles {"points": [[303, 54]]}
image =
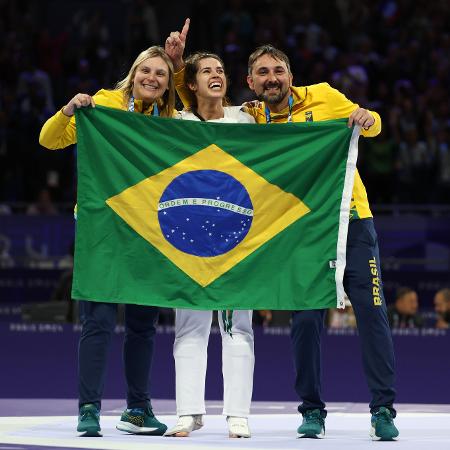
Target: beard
{"points": [[273, 99]]}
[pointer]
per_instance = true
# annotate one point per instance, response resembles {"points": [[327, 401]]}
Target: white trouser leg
{"points": [[190, 348], [238, 361]]}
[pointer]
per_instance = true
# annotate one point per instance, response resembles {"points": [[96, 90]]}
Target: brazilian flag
{"points": [[200, 215]]}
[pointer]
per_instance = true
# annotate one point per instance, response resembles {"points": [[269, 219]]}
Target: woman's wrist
{"points": [[178, 65], [63, 111]]}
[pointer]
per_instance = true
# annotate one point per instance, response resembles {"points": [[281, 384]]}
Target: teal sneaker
{"points": [[89, 421], [141, 421], [313, 425], [382, 426]]}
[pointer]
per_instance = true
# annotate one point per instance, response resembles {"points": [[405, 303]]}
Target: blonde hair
{"points": [[190, 75], [166, 103]]}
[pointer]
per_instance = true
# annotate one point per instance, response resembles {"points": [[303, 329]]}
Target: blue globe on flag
{"points": [[205, 213]]}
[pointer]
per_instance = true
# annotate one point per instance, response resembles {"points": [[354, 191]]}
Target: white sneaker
{"points": [[185, 425], [238, 427]]}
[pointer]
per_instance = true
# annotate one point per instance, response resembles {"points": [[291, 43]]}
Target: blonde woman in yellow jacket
{"points": [[148, 89]]}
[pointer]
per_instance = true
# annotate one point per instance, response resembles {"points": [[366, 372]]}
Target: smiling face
{"points": [[210, 79], [270, 79], [151, 79]]}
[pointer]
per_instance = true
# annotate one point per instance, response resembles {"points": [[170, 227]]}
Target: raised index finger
{"points": [[185, 29]]}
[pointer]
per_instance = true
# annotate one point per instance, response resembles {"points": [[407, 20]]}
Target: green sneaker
{"points": [[89, 421], [383, 428], [313, 425], [141, 421]]}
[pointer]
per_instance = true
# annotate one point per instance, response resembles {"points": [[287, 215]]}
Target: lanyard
{"points": [[290, 104], [155, 111], [196, 114]]}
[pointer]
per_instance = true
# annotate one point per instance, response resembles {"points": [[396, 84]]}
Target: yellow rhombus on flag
{"points": [[273, 211]]}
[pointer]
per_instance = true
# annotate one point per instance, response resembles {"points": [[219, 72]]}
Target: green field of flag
{"points": [[187, 214]]}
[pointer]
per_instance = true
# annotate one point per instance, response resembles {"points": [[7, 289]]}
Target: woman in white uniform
{"points": [[206, 84]]}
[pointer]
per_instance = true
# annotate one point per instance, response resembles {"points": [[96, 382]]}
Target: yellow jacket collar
{"points": [[138, 107]]}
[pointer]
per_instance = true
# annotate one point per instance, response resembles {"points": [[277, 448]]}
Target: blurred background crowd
{"points": [[392, 56]]}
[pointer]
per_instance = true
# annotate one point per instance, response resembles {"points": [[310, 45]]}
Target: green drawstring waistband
{"points": [[227, 319]]}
